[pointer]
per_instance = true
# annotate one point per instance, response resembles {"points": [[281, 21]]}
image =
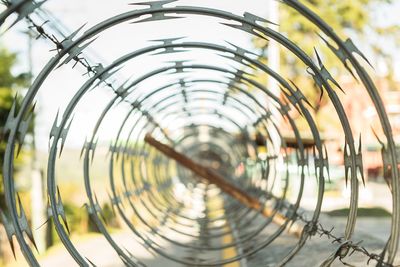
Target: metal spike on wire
{"points": [[158, 197]]}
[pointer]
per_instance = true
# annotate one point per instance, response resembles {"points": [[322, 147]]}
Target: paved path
{"points": [[373, 232]]}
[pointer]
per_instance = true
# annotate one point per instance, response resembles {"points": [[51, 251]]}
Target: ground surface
{"points": [[373, 232]]}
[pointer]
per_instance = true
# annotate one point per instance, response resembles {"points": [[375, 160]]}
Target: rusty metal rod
{"points": [[215, 178]]}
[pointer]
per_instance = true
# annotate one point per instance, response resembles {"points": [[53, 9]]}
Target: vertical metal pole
{"points": [[37, 196], [273, 47], [273, 55]]}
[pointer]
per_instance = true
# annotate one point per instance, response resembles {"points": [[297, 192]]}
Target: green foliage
{"points": [[362, 212], [342, 16], [7, 79], [109, 215], [77, 217], [9, 84], [346, 18]]}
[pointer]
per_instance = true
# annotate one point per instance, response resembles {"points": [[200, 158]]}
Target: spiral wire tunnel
{"points": [[219, 115]]}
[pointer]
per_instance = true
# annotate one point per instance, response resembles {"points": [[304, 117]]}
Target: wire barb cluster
{"points": [[211, 113]]}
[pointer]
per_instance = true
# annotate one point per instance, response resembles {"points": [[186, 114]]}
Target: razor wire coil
{"points": [[128, 189]]}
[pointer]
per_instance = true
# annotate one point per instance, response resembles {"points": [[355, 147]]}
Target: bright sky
{"points": [[63, 83]]}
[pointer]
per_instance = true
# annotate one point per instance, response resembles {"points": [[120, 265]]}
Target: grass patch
{"points": [[362, 212]]}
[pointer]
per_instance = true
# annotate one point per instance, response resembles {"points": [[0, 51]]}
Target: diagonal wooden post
{"points": [[215, 178]]}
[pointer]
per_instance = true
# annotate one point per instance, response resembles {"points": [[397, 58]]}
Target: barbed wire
{"points": [[69, 48], [346, 247]]}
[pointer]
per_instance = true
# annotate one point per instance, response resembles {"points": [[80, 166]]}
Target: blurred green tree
{"points": [[353, 18], [10, 83]]}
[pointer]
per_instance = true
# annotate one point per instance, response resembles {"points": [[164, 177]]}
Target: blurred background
{"points": [[373, 25]]}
